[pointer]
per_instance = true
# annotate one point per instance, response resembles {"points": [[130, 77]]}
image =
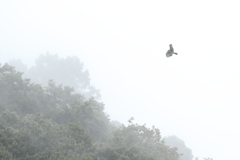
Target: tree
{"points": [[204, 158], [33, 137], [18, 64], [54, 122], [147, 140], [54, 102], [174, 141], [66, 71]]}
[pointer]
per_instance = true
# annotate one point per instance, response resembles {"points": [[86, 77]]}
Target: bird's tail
{"points": [[175, 53]]}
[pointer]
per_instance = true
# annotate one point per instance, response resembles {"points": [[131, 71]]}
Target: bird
{"points": [[170, 52]]}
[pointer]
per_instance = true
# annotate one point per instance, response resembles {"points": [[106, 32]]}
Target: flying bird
{"points": [[170, 52]]}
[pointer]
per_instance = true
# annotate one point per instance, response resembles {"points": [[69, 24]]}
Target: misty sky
{"points": [[194, 95]]}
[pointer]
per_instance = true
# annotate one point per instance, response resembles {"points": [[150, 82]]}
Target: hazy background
{"points": [[194, 95]]}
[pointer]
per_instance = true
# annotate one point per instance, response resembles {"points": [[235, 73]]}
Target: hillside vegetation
{"points": [[52, 112], [54, 122]]}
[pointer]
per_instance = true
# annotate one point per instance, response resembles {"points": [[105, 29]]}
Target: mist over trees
{"points": [[45, 118], [174, 141], [54, 122], [66, 71]]}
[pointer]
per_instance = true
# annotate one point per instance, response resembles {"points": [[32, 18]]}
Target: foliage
{"points": [[120, 153], [54, 122], [147, 140], [204, 158], [66, 71], [55, 102], [18, 64], [32, 137], [174, 141]]}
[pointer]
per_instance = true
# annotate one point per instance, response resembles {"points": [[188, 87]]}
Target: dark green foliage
{"points": [[55, 102], [33, 136], [147, 140], [121, 153], [54, 122], [204, 158]]}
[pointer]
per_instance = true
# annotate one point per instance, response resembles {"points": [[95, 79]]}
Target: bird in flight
{"points": [[170, 52]]}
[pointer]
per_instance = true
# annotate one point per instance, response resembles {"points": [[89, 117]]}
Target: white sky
{"points": [[194, 95]]}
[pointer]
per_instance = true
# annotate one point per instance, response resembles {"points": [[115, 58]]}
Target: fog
{"points": [[193, 95]]}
